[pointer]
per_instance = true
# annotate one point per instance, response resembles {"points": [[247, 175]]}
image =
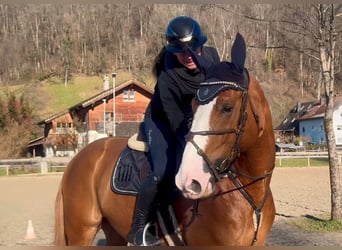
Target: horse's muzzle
{"points": [[195, 189]]}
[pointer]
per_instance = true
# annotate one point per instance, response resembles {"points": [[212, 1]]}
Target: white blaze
{"points": [[192, 164]]}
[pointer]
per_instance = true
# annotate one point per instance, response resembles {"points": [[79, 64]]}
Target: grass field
{"points": [[302, 162]]}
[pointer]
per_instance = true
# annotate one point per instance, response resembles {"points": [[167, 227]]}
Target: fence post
{"points": [[43, 166]]}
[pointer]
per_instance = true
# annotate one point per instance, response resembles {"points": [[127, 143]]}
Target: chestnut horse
{"points": [[224, 176]]}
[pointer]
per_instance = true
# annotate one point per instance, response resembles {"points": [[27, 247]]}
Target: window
{"points": [[63, 127], [128, 95], [125, 96], [131, 95]]}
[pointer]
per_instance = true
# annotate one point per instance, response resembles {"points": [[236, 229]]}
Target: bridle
{"points": [[226, 168], [221, 169]]}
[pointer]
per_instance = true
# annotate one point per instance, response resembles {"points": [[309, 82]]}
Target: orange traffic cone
{"points": [[30, 231]]}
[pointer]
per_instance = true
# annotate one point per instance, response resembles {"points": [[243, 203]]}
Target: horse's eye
{"points": [[226, 108]]}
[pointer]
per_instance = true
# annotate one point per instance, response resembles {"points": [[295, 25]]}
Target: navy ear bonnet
{"points": [[225, 75], [220, 77]]}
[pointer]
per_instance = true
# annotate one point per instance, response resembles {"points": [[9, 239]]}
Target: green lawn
{"points": [[62, 97], [302, 162]]}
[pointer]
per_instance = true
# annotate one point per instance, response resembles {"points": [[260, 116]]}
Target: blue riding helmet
{"points": [[183, 32]]}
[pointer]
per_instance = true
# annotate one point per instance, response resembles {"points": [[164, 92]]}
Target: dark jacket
{"points": [[174, 91]]}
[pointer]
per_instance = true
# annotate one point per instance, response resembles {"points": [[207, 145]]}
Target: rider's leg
{"points": [[144, 209]]}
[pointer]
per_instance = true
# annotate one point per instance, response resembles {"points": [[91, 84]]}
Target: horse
{"points": [[224, 175]]}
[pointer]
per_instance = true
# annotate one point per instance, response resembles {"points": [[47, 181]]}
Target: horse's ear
{"points": [[238, 52]]}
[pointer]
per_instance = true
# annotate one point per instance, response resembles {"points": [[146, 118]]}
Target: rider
{"points": [[168, 117]]}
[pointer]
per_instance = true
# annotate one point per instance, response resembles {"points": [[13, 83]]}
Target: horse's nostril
{"points": [[195, 186]]}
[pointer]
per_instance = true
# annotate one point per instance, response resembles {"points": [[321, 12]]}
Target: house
{"points": [[311, 124], [99, 116], [288, 129], [306, 122]]}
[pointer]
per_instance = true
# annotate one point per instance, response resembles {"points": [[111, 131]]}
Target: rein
{"points": [[225, 168], [240, 187]]}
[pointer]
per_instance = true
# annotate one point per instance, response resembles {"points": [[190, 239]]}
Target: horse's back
{"points": [[95, 160]]}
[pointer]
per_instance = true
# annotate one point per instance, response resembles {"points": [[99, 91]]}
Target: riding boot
{"points": [[145, 208]]}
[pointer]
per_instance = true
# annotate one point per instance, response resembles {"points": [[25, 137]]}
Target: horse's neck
{"points": [[259, 159], [263, 153], [256, 167]]}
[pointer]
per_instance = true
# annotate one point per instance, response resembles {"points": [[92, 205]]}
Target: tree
{"points": [[15, 126], [326, 39], [66, 57], [312, 32], [317, 22]]}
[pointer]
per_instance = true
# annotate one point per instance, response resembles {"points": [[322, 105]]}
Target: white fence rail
{"points": [[61, 162], [41, 163], [307, 155]]}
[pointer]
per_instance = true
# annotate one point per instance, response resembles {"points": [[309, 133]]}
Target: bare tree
{"points": [[326, 38]]}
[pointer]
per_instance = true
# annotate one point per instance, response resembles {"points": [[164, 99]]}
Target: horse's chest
{"points": [[222, 219]]}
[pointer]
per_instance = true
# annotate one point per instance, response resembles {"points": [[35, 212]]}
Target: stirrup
{"points": [[145, 231], [147, 226]]}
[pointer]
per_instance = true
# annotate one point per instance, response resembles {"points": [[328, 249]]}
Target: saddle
{"points": [[131, 168]]}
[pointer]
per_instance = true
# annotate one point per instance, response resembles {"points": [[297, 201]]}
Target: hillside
{"points": [[44, 41], [51, 96]]}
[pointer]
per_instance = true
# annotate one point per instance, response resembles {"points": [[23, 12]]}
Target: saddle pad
{"points": [[129, 172]]}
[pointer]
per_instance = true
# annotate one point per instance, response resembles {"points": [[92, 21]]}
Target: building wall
{"points": [[127, 109], [314, 129], [62, 137], [337, 124]]}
